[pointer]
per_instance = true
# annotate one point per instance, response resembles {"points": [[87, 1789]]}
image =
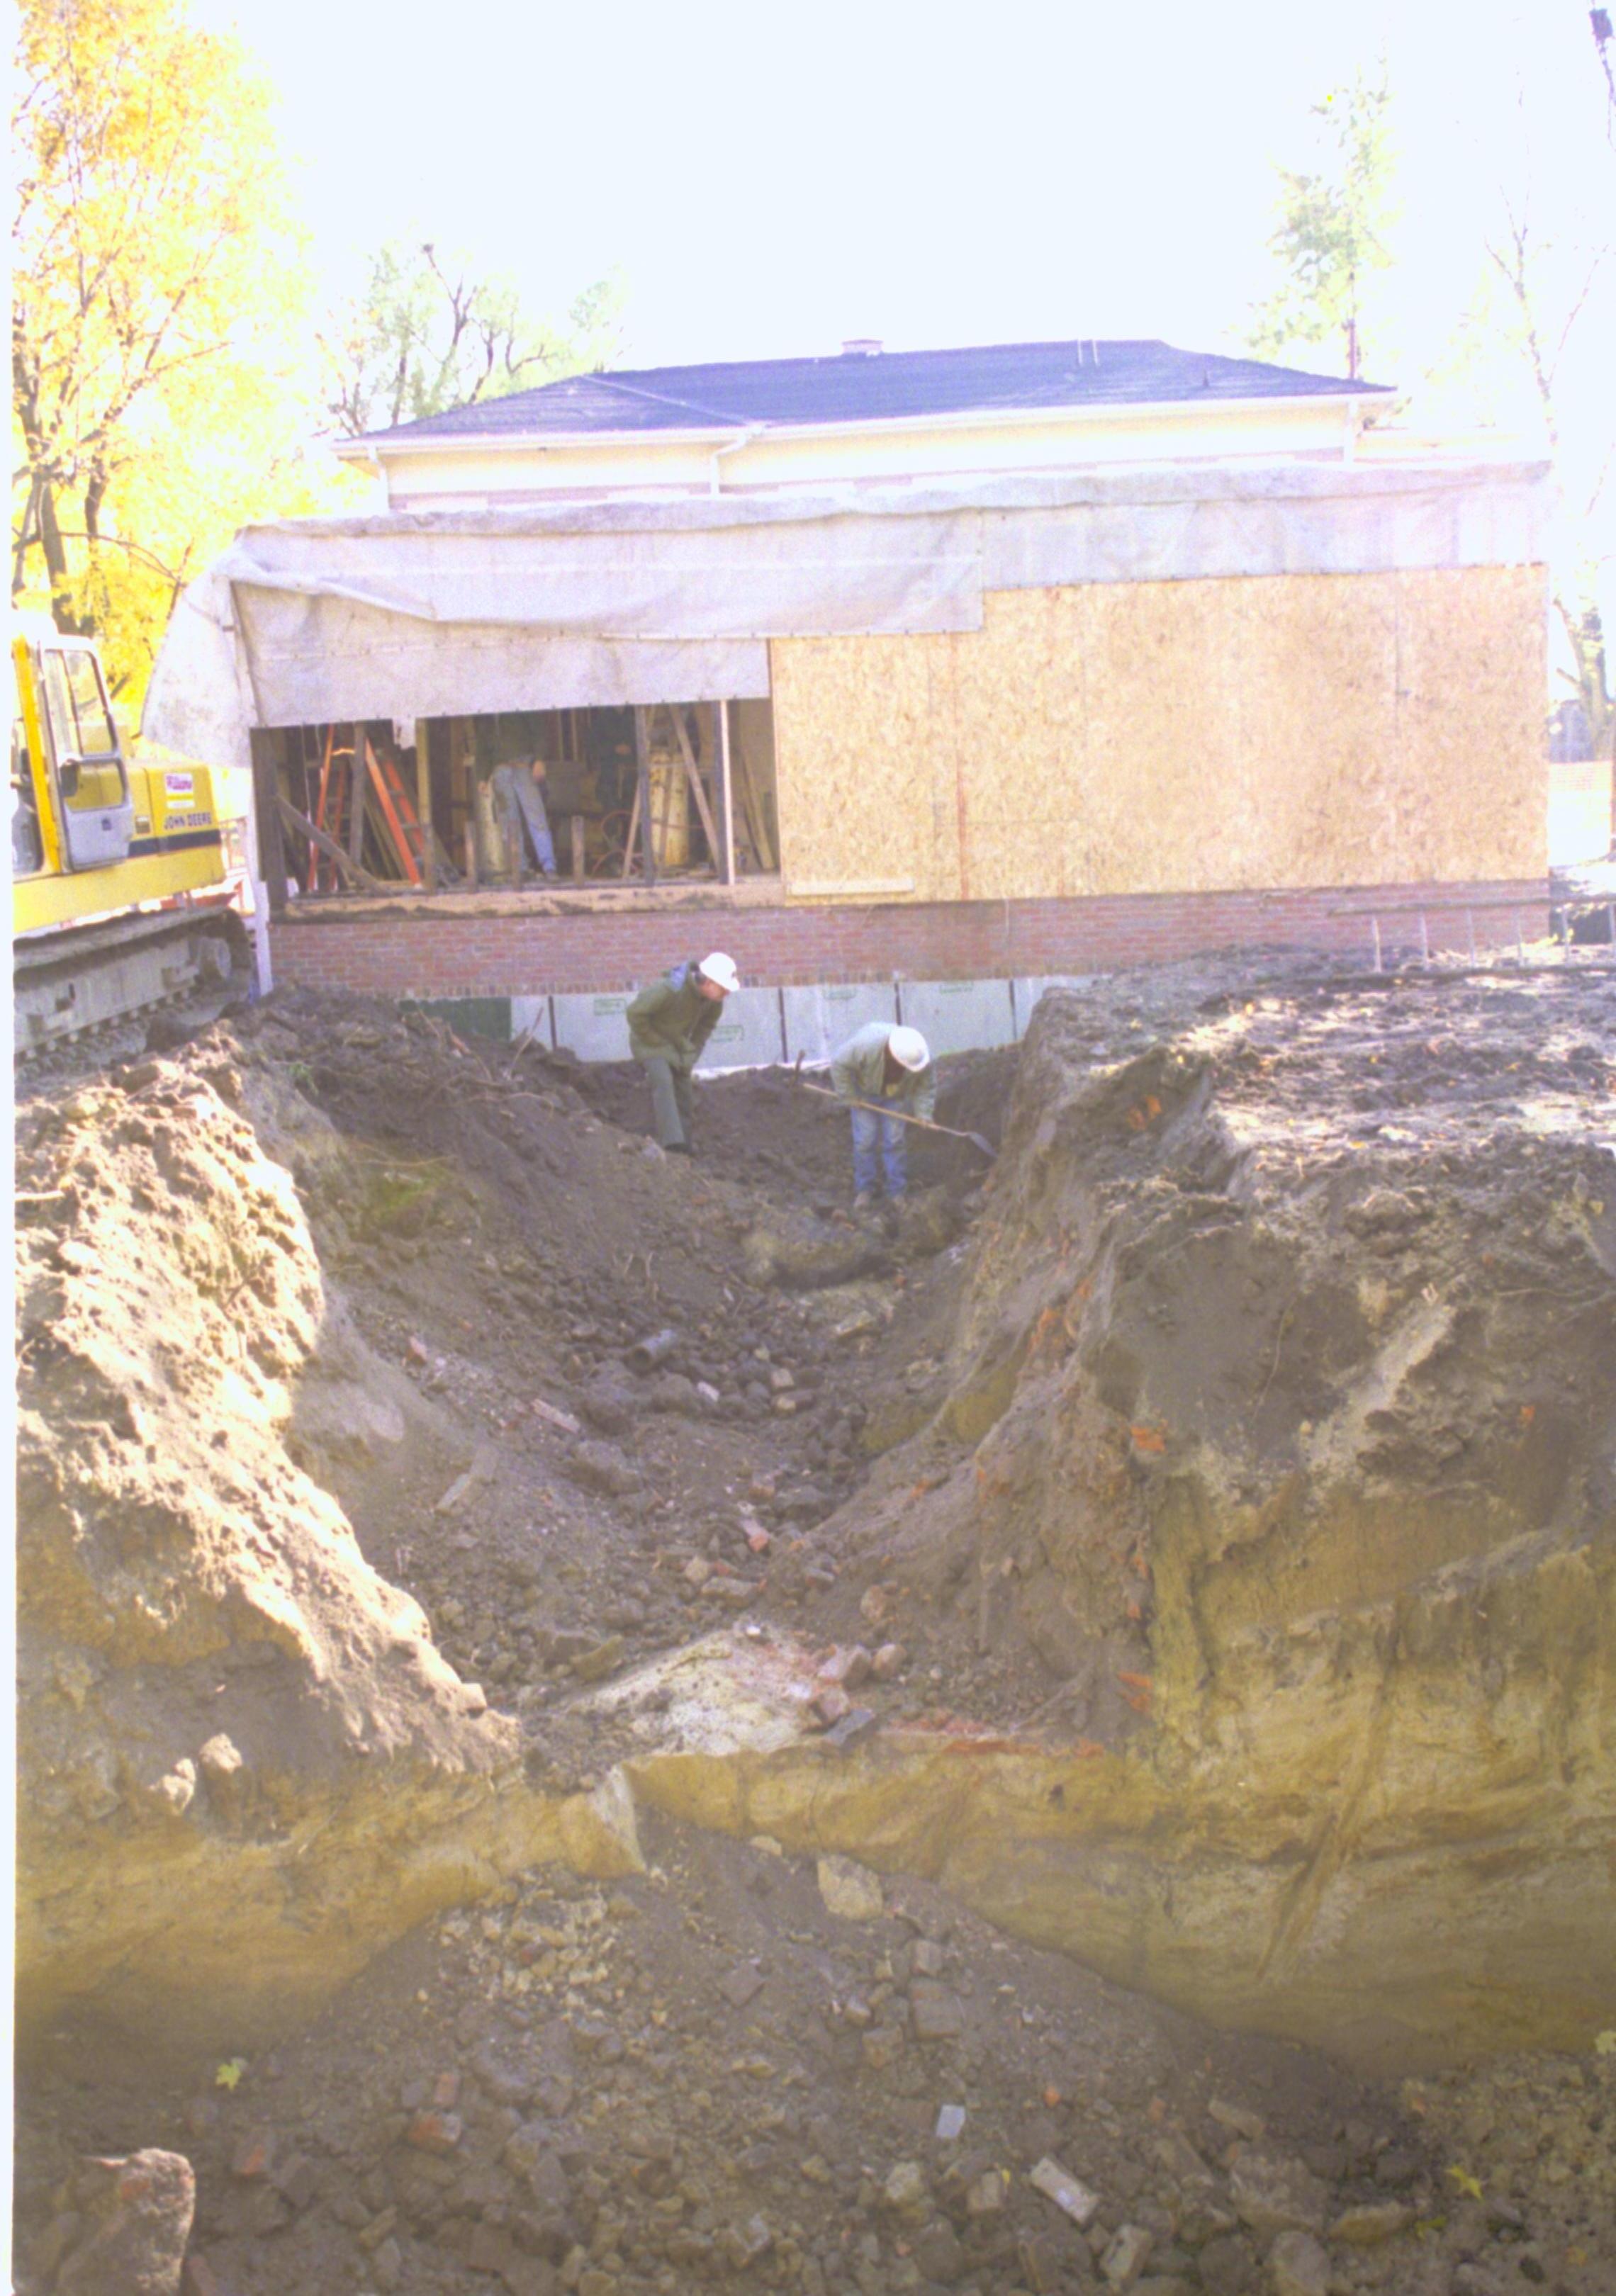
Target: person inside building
{"points": [[880, 1069], [519, 791], [669, 1023]]}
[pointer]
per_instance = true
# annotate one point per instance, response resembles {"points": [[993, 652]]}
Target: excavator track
{"points": [[70, 986]]}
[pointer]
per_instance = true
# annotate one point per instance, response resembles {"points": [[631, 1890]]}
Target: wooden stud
{"points": [[725, 855], [756, 822], [693, 777], [471, 855], [579, 851], [356, 826], [320, 814], [423, 803], [267, 805], [633, 823], [641, 758]]}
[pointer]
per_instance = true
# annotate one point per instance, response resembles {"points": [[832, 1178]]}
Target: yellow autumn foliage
{"points": [[162, 388]]}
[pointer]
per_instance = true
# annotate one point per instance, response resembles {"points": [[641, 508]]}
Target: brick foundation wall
{"points": [[446, 954]]}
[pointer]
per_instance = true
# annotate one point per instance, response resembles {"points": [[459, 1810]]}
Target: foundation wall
{"points": [[491, 954], [1202, 736]]}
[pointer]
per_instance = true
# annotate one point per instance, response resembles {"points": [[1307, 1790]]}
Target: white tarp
{"points": [[427, 614]]}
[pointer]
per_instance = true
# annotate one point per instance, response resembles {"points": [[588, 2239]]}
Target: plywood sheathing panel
{"points": [[857, 735], [1177, 736], [1472, 678]]}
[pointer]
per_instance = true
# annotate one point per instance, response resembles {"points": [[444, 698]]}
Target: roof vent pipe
{"points": [[861, 346]]}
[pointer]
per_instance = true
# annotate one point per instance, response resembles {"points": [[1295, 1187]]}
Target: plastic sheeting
{"points": [[425, 614]]}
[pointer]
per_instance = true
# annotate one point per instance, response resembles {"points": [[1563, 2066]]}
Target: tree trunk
{"points": [[56, 561]]}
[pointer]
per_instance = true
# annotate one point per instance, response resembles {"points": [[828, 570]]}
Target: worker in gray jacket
{"points": [[883, 1067], [669, 1023]]}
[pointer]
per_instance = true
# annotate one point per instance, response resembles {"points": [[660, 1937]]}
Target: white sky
{"points": [[771, 180]]}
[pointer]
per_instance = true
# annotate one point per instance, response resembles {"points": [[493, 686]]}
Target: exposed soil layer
{"points": [[1279, 1428], [1120, 1476]]}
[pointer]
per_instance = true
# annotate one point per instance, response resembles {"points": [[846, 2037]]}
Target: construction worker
{"points": [[883, 1066], [669, 1024], [519, 791]]}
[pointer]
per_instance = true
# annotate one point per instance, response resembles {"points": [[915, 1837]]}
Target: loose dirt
{"points": [[442, 1261]]}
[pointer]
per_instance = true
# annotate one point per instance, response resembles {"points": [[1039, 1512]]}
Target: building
{"points": [[946, 666]]}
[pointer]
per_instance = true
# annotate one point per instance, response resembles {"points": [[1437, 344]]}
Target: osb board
{"points": [[864, 760], [1142, 737]]}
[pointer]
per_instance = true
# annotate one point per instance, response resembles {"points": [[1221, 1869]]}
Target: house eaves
{"points": [[381, 448]]}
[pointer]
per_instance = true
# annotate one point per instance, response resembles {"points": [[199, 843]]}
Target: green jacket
{"points": [[858, 1073], [672, 1020]]}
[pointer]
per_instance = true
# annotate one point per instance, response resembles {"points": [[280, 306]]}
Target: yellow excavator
{"points": [[127, 885]]}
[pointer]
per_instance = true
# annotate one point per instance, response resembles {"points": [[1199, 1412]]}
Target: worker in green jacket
{"points": [[882, 1067], [669, 1024]]}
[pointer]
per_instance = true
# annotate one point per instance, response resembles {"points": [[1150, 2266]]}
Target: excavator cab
{"points": [[97, 807]]}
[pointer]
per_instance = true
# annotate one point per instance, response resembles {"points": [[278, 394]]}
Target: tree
{"points": [[427, 334], [1584, 464], [1332, 229], [156, 285]]}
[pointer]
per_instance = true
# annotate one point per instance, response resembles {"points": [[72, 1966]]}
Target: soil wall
{"points": [[1280, 1427]]}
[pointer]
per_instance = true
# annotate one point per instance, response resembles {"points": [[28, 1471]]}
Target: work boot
{"points": [[680, 1148], [863, 1201]]}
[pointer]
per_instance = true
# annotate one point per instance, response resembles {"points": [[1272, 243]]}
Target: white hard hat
{"points": [[721, 969], [909, 1049]]}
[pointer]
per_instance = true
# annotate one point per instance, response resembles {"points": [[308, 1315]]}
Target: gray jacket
{"points": [[858, 1073]]}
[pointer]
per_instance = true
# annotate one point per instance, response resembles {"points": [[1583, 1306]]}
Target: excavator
{"points": [[126, 884]]}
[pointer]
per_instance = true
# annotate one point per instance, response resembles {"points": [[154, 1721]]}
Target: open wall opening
{"points": [[587, 798]]}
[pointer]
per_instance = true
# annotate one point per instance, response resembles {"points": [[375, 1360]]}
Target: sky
{"points": [[770, 181]]}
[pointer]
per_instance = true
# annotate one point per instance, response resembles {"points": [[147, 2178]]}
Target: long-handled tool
{"points": [[920, 1123]]}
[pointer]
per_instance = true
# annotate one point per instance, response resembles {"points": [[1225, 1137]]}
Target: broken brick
{"points": [[434, 2132]]}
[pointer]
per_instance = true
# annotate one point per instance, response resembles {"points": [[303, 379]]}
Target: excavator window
{"points": [[28, 848], [89, 768], [97, 735]]}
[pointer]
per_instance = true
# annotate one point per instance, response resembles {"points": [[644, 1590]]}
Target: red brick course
{"points": [[444, 954]]}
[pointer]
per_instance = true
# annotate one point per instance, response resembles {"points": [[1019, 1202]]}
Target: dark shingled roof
{"points": [[883, 386]]}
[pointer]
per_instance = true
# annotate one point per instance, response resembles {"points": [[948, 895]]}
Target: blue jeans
{"points": [[867, 1130], [519, 793]]}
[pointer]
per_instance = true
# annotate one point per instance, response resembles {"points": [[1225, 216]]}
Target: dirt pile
{"points": [[332, 1444], [1278, 1438], [245, 1763]]}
